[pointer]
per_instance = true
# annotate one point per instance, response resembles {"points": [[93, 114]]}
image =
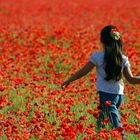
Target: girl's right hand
{"points": [[65, 83]]}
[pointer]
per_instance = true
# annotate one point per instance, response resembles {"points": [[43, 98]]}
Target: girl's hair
{"points": [[112, 42]]}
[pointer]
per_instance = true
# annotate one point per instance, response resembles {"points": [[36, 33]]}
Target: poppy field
{"points": [[42, 43]]}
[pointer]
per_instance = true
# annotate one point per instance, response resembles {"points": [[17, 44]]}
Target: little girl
{"points": [[110, 64]]}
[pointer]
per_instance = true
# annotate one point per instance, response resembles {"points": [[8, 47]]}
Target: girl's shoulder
{"points": [[124, 57], [97, 57], [126, 61], [98, 53]]}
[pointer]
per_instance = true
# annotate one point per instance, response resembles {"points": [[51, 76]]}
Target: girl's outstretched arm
{"points": [[80, 73], [129, 76]]}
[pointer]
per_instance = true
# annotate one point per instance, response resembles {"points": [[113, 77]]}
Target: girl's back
{"points": [[111, 86]]}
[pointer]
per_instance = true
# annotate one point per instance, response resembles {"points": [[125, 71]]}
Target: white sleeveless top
{"points": [[111, 86]]}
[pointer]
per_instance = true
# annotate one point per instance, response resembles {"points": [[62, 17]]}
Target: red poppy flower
{"points": [[83, 118], [120, 129], [2, 88], [107, 103]]}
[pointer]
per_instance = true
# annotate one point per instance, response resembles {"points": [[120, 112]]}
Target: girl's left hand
{"points": [[65, 83]]}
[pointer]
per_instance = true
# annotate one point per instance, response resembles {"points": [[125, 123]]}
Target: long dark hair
{"points": [[113, 53]]}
